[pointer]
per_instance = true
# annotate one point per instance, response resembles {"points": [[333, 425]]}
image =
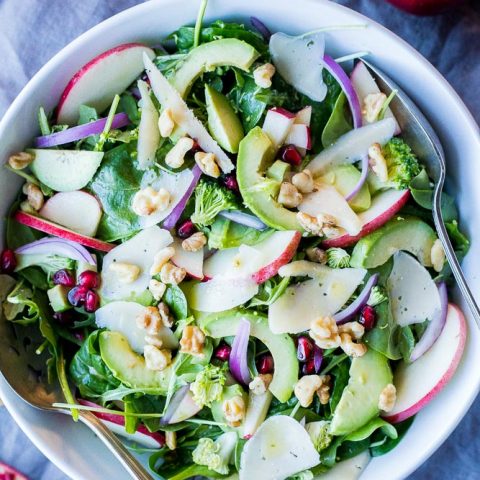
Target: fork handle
{"points": [[111, 441]]}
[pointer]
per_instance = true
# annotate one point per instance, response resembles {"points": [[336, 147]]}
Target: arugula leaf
{"points": [[19, 300], [269, 292], [224, 233], [88, 370], [338, 123]]}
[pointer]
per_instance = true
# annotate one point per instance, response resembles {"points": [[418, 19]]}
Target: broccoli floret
{"points": [[337, 258], [319, 434], [402, 164], [215, 455], [208, 385], [377, 295], [210, 199]]}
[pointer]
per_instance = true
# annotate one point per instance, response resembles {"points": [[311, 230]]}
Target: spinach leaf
{"points": [[382, 337], [36, 277], [372, 426], [224, 233], [115, 183], [341, 376], [405, 342], [148, 404], [269, 292], [183, 37], [88, 370], [382, 444], [338, 123], [18, 234], [128, 104], [175, 300]]}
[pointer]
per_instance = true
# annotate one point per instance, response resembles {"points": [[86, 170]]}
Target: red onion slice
{"points": [[361, 180], [261, 27], [58, 246], [81, 131], [435, 326], [341, 77], [238, 356], [356, 306], [317, 358], [243, 219], [176, 213]]}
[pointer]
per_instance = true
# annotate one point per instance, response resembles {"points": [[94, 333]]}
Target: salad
{"points": [[229, 251]]}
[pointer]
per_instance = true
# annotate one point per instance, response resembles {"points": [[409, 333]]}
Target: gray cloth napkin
{"points": [[32, 31]]}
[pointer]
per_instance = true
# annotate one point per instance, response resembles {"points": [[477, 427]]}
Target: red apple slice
{"points": [[299, 135], [261, 261], [277, 124], [58, 231], [384, 206], [116, 423], [97, 82], [78, 211], [419, 382], [192, 262]]}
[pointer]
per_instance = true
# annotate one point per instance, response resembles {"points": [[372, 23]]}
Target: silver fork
{"points": [[419, 134], [25, 373]]}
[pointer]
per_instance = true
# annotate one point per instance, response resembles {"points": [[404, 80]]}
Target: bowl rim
{"points": [[64, 54]]}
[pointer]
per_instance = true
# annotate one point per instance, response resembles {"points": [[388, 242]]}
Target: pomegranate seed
{"points": [[265, 364], [64, 277], [8, 262], [368, 317], [64, 318], [309, 367], [186, 229], [77, 296], [231, 183], [291, 155], [222, 352], [196, 147], [304, 349], [91, 301], [89, 279], [317, 358]]}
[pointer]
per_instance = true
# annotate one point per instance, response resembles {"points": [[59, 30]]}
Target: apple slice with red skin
{"points": [[304, 116], [262, 261], [116, 423], [384, 206], [97, 82], [192, 262], [76, 210], [419, 382], [299, 135], [277, 124], [51, 228], [9, 473]]}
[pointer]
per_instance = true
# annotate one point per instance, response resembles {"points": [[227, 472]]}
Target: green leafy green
{"points": [[383, 337], [20, 302], [372, 426], [129, 105], [17, 234], [338, 123], [210, 199], [382, 444], [88, 370], [224, 233], [340, 375], [176, 301], [269, 292], [115, 183], [184, 37]]}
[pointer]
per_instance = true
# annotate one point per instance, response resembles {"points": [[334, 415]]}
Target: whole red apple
{"points": [[426, 7]]}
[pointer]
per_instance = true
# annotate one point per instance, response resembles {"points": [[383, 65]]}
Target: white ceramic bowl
{"points": [[71, 446]]}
